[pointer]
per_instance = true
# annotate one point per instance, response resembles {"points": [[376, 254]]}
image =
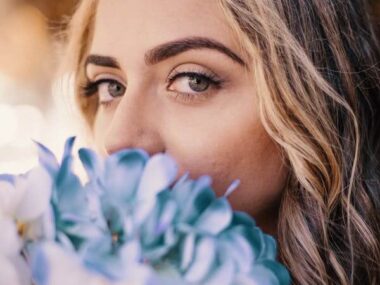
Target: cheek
{"points": [[233, 151], [99, 132]]}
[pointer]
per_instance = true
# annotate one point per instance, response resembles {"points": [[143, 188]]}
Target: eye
{"points": [[107, 89], [189, 85]]}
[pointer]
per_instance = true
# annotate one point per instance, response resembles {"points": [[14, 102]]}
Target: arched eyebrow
{"points": [[170, 49], [100, 60]]}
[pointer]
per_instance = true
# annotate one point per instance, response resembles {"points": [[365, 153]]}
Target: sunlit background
{"points": [[34, 104]]}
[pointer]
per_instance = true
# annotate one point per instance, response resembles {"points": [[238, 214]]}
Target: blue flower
{"points": [[75, 211], [52, 264], [132, 216], [208, 243], [146, 178]]}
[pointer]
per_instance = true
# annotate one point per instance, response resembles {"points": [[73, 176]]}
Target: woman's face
{"points": [[170, 78]]}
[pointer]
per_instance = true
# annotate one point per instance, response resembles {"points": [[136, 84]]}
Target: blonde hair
{"points": [[315, 67]]}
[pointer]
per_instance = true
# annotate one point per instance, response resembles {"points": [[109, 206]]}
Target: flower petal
{"points": [[65, 177], [10, 243], [235, 184], [36, 196], [269, 250], [91, 163], [269, 273], [68, 148], [123, 172], [182, 188], [23, 269], [113, 214], [204, 259], [41, 228], [70, 196], [102, 257], [7, 178], [215, 218], [254, 236], [51, 265], [10, 198], [187, 253], [224, 274], [166, 217], [160, 219], [143, 209], [234, 246], [47, 159], [242, 218], [8, 272], [159, 173], [278, 269], [196, 201]]}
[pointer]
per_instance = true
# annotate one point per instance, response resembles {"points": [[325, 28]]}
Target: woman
{"points": [[283, 95]]}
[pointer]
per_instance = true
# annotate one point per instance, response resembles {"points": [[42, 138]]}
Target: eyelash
{"points": [[89, 88]]}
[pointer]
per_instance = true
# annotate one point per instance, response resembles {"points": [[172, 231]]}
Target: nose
{"points": [[134, 124]]}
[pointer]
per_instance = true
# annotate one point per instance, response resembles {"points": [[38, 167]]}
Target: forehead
{"points": [[137, 25]]}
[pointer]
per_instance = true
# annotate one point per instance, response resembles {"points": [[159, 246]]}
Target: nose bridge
{"points": [[132, 126]]}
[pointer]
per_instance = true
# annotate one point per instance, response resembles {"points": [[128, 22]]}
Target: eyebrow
{"points": [[168, 50], [100, 60]]}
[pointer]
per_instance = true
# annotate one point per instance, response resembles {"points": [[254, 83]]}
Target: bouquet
{"points": [[130, 223]]}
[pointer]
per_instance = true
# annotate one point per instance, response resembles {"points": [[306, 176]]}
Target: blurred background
{"points": [[31, 106], [32, 100]]}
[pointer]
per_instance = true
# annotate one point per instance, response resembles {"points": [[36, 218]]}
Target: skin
{"points": [[219, 133]]}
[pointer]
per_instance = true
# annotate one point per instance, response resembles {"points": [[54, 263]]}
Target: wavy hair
{"points": [[316, 68]]}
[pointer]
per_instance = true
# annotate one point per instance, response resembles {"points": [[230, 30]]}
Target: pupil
{"points": [[198, 84]]}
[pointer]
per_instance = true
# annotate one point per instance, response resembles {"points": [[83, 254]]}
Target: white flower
{"points": [[13, 269], [23, 199], [26, 197], [9, 198], [36, 190]]}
